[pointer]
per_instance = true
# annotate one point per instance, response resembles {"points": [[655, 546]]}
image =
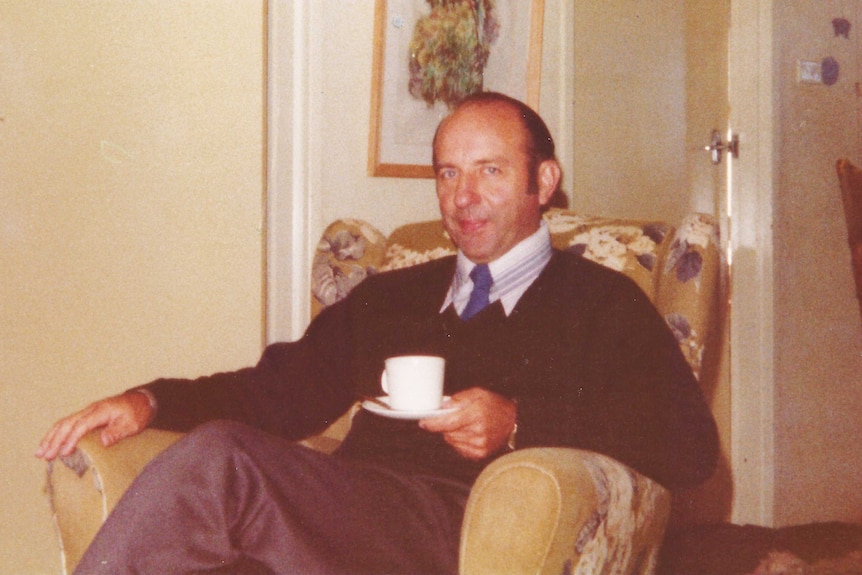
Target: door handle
{"points": [[716, 146]]}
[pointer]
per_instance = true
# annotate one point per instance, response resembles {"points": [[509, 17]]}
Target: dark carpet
{"points": [[726, 549]]}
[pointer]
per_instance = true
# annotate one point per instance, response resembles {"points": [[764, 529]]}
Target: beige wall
{"points": [[650, 84], [131, 194], [818, 329], [630, 109]]}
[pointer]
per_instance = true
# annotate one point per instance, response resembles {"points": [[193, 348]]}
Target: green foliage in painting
{"points": [[450, 48]]}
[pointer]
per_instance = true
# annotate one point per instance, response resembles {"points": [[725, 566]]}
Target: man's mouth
{"points": [[471, 226]]}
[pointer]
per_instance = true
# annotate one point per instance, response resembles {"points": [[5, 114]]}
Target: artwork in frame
{"points": [[428, 54]]}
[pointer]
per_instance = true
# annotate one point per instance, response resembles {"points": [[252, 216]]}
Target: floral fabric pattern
{"points": [[626, 528], [348, 252], [697, 231], [398, 256], [417, 243]]}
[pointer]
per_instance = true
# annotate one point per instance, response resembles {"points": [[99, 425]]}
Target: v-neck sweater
{"points": [[589, 360]]}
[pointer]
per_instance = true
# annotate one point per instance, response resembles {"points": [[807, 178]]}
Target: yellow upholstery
{"points": [[87, 485], [537, 511]]}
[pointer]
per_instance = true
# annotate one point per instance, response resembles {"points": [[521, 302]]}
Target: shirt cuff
{"points": [[154, 404]]}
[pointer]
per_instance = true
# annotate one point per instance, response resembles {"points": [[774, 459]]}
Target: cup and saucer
{"points": [[414, 388], [382, 406]]}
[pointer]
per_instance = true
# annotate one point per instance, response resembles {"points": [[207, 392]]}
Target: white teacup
{"points": [[414, 382]]}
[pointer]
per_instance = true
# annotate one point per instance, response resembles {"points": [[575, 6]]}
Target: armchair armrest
{"points": [[557, 510], [85, 486]]}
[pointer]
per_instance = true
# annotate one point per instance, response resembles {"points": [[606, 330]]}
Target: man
{"points": [[567, 353]]}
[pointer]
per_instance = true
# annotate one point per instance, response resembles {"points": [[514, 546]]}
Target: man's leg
{"points": [[227, 491]]}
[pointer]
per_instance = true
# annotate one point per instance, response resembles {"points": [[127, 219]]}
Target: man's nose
{"points": [[465, 191]]}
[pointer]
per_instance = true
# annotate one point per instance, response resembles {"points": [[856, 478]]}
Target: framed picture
{"points": [[426, 59]]}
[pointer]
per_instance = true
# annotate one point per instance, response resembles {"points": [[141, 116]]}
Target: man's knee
{"points": [[221, 434], [213, 444]]}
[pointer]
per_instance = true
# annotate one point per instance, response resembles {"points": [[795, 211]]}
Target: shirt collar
{"points": [[513, 272]]}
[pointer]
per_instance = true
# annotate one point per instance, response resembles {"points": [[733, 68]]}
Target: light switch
{"points": [[809, 72]]}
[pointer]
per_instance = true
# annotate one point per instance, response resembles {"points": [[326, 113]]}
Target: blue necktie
{"points": [[482, 282]]}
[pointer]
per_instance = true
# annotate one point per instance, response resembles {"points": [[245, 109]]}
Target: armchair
{"points": [[538, 510]]}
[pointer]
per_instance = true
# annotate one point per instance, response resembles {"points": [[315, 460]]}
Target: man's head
{"points": [[495, 169]]}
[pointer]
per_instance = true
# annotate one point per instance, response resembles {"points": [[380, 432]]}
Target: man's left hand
{"points": [[479, 426]]}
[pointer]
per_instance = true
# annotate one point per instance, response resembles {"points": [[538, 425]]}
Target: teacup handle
{"points": [[383, 382]]}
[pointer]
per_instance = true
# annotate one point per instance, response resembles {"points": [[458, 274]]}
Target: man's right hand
{"points": [[119, 417]]}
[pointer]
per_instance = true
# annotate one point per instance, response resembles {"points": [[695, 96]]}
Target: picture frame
{"points": [[402, 124]]}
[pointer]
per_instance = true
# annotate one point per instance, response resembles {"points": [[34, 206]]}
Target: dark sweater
{"points": [[590, 361]]}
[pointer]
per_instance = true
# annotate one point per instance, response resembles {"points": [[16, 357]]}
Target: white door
{"points": [[653, 79], [650, 87]]}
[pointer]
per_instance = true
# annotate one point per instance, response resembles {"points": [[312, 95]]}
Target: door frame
{"points": [[289, 172], [751, 89]]}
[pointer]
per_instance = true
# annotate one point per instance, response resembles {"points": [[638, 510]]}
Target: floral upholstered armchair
{"points": [[538, 510]]}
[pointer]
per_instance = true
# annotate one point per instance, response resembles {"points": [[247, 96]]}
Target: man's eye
{"points": [[446, 174], [492, 170]]}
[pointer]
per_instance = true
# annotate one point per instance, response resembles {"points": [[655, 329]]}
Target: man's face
{"points": [[483, 180]]}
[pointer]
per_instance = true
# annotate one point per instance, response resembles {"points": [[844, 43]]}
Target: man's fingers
{"points": [[444, 423], [466, 434], [54, 439], [120, 416], [479, 427], [79, 429], [66, 433]]}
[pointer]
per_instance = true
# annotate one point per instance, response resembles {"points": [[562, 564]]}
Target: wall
{"points": [[629, 109], [131, 200], [818, 329], [649, 86]]}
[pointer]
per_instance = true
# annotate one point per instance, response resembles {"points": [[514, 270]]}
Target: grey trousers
{"points": [[228, 499]]}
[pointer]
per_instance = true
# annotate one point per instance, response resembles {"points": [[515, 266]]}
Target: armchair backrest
{"points": [[677, 268]]}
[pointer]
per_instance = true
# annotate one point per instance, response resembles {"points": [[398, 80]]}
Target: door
{"points": [[651, 85]]}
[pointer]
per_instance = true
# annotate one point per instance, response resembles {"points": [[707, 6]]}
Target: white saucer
{"points": [[403, 414]]}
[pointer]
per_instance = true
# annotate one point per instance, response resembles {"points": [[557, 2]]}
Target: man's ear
{"points": [[549, 175]]}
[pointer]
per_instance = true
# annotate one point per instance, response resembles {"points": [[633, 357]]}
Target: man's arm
{"points": [[295, 390], [634, 397]]}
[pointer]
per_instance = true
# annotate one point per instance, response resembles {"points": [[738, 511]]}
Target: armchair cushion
{"points": [[558, 510]]}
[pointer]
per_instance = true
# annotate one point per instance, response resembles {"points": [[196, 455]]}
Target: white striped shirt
{"points": [[513, 272]]}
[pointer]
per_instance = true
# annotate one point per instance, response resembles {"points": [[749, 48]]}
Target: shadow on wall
{"points": [[850, 181], [710, 502]]}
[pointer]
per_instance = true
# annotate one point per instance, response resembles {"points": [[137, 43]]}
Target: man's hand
{"points": [[479, 426], [120, 416]]}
